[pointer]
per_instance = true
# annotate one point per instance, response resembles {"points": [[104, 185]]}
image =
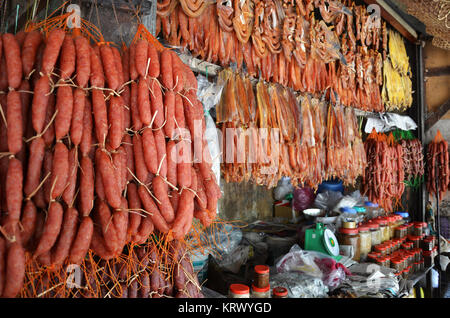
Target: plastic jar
{"points": [[349, 215], [419, 228], [404, 216], [279, 292], [391, 223], [372, 210], [415, 240], [261, 279], [350, 237], [400, 231], [260, 292], [375, 232], [384, 229], [365, 242], [427, 244], [360, 209], [238, 291]]}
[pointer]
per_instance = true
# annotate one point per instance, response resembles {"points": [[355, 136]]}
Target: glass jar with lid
{"points": [[415, 240], [375, 232], [373, 256], [350, 237], [400, 231], [419, 228], [261, 292], [365, 241], [410, 228], [381, 248], [279, 292], [261, 279], [397, 264], [239, 291]]}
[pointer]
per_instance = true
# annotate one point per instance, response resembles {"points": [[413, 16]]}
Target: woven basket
{"points": [[435, 14]]}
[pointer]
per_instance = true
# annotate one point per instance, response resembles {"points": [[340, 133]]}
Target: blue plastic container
{"points": [[336, 186]]}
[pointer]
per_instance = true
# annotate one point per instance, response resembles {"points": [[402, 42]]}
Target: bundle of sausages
{"points": [[140, 274], [413, 159], [105, 157], [383, 179], [437, 166]]}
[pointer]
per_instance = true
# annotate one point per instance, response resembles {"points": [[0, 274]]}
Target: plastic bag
{"points": [[314, 264], [300, 285], [327, 200], [209, 94], [233, 261], [283, 188], [303, 198]]}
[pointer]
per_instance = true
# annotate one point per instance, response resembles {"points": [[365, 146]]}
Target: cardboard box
{"points": [[283, 210]]}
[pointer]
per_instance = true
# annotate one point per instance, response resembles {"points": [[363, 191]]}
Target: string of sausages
{"points": [[97, 150], [383, 180], [437, 166]]}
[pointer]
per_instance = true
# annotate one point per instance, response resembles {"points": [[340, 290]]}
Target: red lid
{"points": [[381, 221], [261, 269], [420, 224], [239, 289], [279, 291], [364, 227], [428, 239], [391, 219], [348, 231], [261, 290], [396, 260], [427, 253], [374, 255], [373, 225], [413, 238]]}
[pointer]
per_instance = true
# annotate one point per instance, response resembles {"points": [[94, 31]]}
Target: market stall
{"points": [[120, 151]]}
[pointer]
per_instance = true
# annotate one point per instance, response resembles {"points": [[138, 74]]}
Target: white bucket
{"points": [[200, 263]]}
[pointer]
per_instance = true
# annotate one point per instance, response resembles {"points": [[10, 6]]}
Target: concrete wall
{"points": [[245, 202]]}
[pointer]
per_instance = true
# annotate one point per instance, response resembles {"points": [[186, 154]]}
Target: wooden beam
{"points": [[395, 20], [433, 118], [437, 71]]}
